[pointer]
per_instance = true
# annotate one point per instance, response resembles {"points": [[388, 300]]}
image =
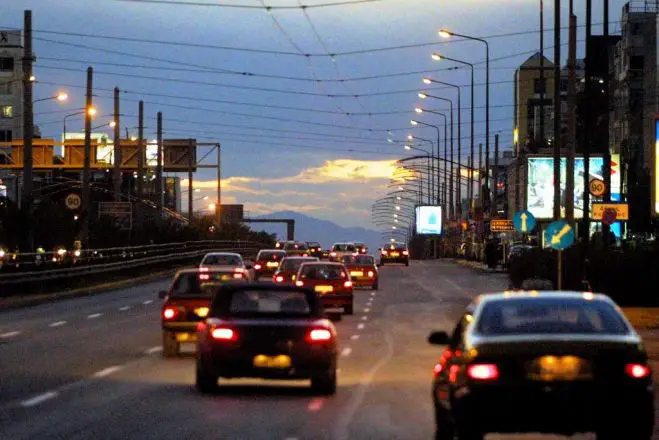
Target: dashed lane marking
{"points": [[108, 371], [57, 324], [148, 301], [94, 315], [360, 326], [354, 337], [364, 318], [366, 310], [346, 351], [153, 350], [36, 400], [10, 334], [124, 308], [315, 404]]}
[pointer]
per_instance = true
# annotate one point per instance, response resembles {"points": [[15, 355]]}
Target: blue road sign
{"points": [[524, 222], [559, 235]]}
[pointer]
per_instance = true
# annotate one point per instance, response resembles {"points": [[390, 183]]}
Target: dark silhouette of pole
{"points": [[495, 173], [86, 199], [28, 131], [159, 189], [116, 177], [588, 125], [542, 74], [140, 150], [557, 109]]}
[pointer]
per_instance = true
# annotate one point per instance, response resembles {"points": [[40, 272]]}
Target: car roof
{"points": [[323, 263], [554, 294], [272, 250], [233, 254], [343, 242], [198, 270]]}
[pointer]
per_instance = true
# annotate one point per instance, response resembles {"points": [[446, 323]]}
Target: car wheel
{"points": [[325, 383], [376, 286], [349, 309], [444, 428], [407, 263], [170, 347], [204, 382]]}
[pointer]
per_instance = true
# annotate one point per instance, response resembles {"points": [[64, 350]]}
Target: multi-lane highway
{"points": [[91, 368]]}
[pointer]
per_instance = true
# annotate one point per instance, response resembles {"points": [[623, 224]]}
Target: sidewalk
{"points": [[477, 265]]}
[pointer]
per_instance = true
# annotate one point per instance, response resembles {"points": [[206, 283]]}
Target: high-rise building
{"points": [[11, 85]]}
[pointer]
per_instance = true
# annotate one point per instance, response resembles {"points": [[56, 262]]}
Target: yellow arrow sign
{"points": [[556, 239], [523, 217]]}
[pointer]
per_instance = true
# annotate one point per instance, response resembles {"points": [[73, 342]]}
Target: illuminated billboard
{"points": [[429, 220], [655, 169], [540, 186]]}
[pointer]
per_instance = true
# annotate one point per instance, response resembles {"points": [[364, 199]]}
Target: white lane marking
{"points": [[94, 315], [108, 371], [372, 293], [364, 318], [354, 337], [39, 399], [57, 324], [346, 351], [291, 438], [360, 326], [124, 308], [366, 310], [315, 404], [153, 350], [148, 301], [10, 334]]}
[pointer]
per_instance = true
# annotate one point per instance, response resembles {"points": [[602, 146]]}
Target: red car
{"points": [[329, 280], [363, 270], [187, 302], [267, 262], [287, 272]]}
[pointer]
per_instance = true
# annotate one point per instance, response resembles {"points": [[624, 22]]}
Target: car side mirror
{"points": [[334, 316], [438, 338], [162, 294]]}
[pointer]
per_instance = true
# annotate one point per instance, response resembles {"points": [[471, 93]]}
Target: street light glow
{"points": [[397, 197], [397, 208], [422, 95], [91, 111], [395, 215], [413, 122], [393, 227], [407, 147], [427, 81], [62, 96], [33, 78], [418, 110], [437, 57], [445, 33], [400, 188], [113, 124], [410, 137]]}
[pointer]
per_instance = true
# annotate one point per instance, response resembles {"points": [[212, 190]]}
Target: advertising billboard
{"points": [[429, 220], [540, 186], [655, 171]]}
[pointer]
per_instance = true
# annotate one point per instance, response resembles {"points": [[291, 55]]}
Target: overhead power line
{"points": [[263, 7]]}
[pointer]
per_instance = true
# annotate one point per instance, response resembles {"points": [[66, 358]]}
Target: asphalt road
{"points": [[90, 368]]}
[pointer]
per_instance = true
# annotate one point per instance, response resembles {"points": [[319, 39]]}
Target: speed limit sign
{"points": [[73, 201], [597, 187]]}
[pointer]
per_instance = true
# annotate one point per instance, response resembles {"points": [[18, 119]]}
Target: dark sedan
{"points": [[548, 362], [266, 331]]}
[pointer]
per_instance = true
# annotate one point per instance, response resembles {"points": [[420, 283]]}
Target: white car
{"points": [[227, 261]]}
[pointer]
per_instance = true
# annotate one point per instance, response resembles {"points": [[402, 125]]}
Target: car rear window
{"points": [[347, 259], [195, 284], [267, 302], [550, 316], [313, 244], [364, 259], [293, 264], [318, 272], [222, 260], [270, 255]]}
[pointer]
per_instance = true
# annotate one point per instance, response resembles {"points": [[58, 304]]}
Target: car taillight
{"points": [[224, 334], [437, 369], [279, 279], [371, 273], [169, 313], [483, 372], [238, 276], [203, 269], [406, 253], [257, 266], [319, 335], [637, 371], [305, 255], [204, 277], [384, 252], [347, 284], [239, 270], [332, 254], [299, 283]]}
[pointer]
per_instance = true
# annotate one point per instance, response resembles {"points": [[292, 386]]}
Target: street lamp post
{"points": [[430, 165], [447, 34], [436, 167], [92, 112], [438, 57], [429, 179]]}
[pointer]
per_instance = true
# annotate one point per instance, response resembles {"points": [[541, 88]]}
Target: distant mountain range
{"points": [[308, 228]]}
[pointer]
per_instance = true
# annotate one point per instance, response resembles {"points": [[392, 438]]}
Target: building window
{"points": [[6, 64], [540, 85], [5, 88], [6, 111], [5, 136]]}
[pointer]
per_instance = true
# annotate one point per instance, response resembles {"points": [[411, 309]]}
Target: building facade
{"points": [[11, 85]]}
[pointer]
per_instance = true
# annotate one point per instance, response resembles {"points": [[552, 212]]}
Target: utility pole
{"points": [[542, 75], [606, 230], [557, 109], [495, 176], [218, 206], [571, 116], [159, 190], [116, 178], [140, 150], [86, 199], [28, 128], [481, 194], [190, 181], [588, 126]]}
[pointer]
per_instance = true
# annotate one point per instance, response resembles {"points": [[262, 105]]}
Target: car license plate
{"points": [[356, 274], [272, 264], [280, 361], [559, 368], [202, 312], [324, 289], [225, 277], [186, 337], [395, 254]]}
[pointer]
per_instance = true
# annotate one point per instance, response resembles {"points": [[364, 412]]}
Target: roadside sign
{"points": [[621, 209], [597, 187], [501, 225], [609, 216], [524, 222], [559, 235], [73, 201]]}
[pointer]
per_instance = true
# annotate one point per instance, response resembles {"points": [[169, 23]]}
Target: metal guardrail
{"points": [[114, 259]]}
